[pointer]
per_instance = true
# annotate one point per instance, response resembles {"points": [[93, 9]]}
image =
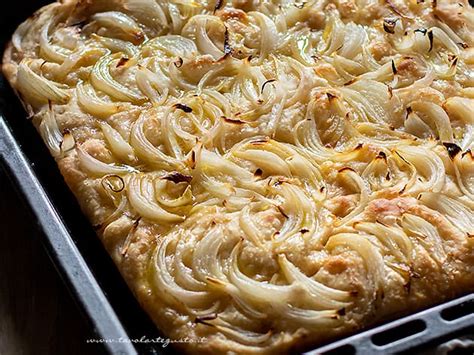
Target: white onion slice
{"points": [[38, 88], [97, 167]]}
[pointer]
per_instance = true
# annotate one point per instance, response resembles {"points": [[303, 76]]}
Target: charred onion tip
{"points": [[402, 190], [218, 5], [192, 160], [265, 84], [231, 120], [122, 61], [430, 37], [389, 25], [394, 68], [201, 321], [421, 30], [453, 149], [281, 211], [330, 96], [206, 317], [227, 48], [177, 177], [178, 62], [350, 82], [183, 107], [259, 141], [390, 91], [300, 5], [79, 24], [394, 9], [466, 153], [137, 221]]}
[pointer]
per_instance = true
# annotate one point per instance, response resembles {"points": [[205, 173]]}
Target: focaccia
{"points": [[267, 175]]}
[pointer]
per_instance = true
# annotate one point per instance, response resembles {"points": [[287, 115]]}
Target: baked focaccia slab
{"points": [[267, 175]]}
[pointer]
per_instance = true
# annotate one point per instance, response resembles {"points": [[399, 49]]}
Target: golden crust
{"points": [[435, 271]]}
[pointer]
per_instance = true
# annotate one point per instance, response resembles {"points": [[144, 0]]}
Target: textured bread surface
{"points": [[267, 175]]}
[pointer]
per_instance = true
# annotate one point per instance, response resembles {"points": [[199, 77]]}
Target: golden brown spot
{"points": [[336, 265]]}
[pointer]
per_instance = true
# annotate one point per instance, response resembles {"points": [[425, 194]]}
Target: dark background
{"points": [[37, 314]]}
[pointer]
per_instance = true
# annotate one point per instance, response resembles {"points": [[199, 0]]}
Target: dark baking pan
{"points": [[95, 282]]}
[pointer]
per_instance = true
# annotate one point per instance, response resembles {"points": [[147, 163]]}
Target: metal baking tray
{"points": [[96, 284]]}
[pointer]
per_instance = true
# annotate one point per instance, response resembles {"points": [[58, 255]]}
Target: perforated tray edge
{"points": [[436, 327]]}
